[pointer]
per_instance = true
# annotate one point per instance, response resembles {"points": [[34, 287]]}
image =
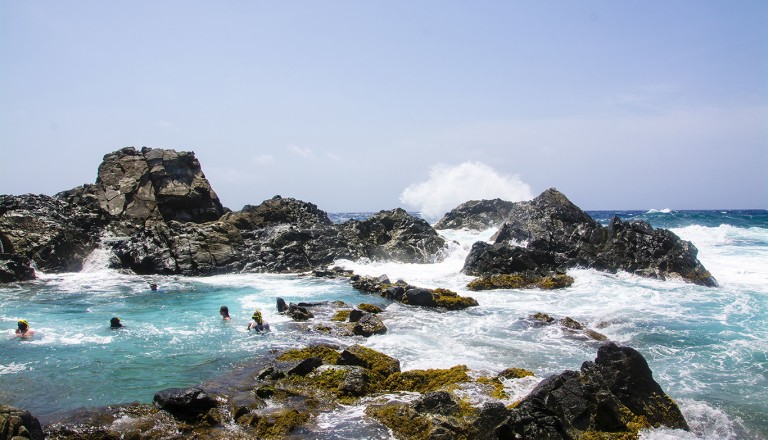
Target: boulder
{"points": [[368, 325], [185, 402], [19, 424], [373, 360], [15, 267], [412, 295], [476, 214], [615, 394]]}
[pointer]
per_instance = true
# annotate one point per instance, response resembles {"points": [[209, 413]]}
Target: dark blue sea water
{"points": [[706, 346]]}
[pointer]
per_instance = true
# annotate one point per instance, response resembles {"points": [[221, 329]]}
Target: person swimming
{"points": [[115, 323], [153, 286], [24, 331], [224, 312], [257, 322]]}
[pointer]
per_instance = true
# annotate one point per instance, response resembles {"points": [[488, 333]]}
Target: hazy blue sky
{"points": [[368, 105]]}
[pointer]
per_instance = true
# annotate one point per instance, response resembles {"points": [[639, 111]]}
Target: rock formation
{"points": [[550, 234], [16, 424], [151, 183]]}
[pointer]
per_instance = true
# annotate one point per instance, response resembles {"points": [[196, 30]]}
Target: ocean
{"points": [[707, 347]]}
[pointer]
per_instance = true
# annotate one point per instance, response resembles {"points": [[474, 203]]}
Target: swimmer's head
{"points": [[23, 324], [115, 322]]}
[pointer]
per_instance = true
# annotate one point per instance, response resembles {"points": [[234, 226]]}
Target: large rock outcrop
{"points": [[151, 184], [550, 233]]}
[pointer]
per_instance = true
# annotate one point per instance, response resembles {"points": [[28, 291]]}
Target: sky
{"points": [[371, 105]]}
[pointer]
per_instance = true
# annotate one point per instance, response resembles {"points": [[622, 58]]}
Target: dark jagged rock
{"points": [[19, 424], [277, 211], [298, 313], [557, 234], [14, 267], [181, 248], [614, 394], [56, 235], [476, 214], [395, 235], [185, 402], [368, 325], [281, 305]]}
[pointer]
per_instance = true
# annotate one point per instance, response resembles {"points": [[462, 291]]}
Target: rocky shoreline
{"points": [[156, 213], [612, 397]]}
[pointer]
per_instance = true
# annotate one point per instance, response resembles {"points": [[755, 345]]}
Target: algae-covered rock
{"points": [[423, 381], [412, 295], [373, 360], [520, 281], [327, 354], [274, 424], [370, 308], [17, 423]]}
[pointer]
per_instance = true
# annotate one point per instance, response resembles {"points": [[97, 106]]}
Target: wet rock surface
{"points": [[476, 214], [17, 424], [412, 295]]}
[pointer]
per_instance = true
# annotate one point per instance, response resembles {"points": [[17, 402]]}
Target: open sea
{"points": [[707, 347]]}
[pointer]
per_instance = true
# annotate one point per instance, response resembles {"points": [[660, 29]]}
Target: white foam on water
{"points": [[13, 368]]}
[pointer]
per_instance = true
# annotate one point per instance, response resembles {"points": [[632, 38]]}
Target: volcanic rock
{"points": [[185, 402], [14, 267], [56, 235], [476, 214], [557, 234]]}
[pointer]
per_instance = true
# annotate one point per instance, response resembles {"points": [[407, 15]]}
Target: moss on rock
{"points": [[370, 308], [520, 281], [451, 300], [327, 354], [274, 424], [424, 381], [341, 315], [402, 420]]}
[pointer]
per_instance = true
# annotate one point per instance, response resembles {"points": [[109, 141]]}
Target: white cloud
{"points": [[449, 186], [301, 151]]}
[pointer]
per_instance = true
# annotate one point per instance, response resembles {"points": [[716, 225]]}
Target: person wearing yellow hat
{"points": [[24, 331], [258, 323], [115, 323]]}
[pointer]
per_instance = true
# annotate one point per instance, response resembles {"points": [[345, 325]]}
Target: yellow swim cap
{"points": [[23, 321]]}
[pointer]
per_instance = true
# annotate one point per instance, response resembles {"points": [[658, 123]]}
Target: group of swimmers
{"points": [[256, 323]]}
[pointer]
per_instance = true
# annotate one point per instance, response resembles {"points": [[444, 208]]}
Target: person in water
{"points": [[115, 323], [24, 331], [153, 286], [257, 322], [224, 312]]}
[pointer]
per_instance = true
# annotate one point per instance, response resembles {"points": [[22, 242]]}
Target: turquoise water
{"points": [[707, 347]]}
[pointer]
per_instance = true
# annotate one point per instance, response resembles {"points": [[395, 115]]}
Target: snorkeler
{"points": [[224, 312], [24, 331], [115, 323], [257, 322]]}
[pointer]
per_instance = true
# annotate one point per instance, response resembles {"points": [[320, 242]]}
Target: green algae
{"points": [[370, 308], [424, 381], [327, 354], [520, 281], [341, 315]]}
